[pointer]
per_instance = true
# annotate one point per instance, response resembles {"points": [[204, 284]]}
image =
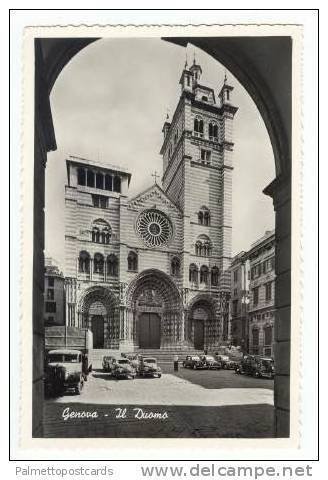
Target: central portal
{"points": [[97, 328], [150, 330]]}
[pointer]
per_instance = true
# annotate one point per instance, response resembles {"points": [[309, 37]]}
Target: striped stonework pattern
{"points": [[123, 263]]}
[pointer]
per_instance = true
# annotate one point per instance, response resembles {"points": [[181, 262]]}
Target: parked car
{"points": [[226, 362], [148, 367], [134, 358], [265, 367], [64, 371], [210, 363], [192, 361], [122, 368], [107, 363], [256, 366]]}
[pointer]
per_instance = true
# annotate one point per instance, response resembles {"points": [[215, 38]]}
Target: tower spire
{"points": [[196, 71]]}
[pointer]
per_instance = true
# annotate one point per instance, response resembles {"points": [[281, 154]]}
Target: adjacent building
{"points": [[262, 293], [54, 294], [240, 275], [153, 271]]}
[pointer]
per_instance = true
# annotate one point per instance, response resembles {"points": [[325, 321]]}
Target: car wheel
{"points": [[159, 375]]}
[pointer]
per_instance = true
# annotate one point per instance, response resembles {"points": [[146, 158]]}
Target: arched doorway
{"points": [[97, 310], [155, 310], [202, 324]]}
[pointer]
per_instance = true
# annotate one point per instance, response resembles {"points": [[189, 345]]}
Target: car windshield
{"points": [[64, 358], [209, 358], [224, 357], [195, 358], [123, 362], [149, 360]]}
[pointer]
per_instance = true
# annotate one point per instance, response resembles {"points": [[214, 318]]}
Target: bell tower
{"points": [[197, 171]]}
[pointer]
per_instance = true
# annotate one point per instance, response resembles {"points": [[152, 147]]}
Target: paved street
{"points": [[185, 404]]}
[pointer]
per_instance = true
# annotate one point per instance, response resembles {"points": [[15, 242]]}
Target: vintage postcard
{"points": [[161, 233]]}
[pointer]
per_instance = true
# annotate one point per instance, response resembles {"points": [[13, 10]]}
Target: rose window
{"points": [[154, 228]]}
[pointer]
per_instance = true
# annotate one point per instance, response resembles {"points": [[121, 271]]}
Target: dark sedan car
{"points": [[192, 361], [256, 366], [226, 362]]}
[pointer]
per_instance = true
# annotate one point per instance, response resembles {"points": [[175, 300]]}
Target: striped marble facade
{"points": [[114, 276]]}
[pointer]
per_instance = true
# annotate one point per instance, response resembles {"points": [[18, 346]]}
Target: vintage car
{"points": [[226, 362], [148, 367], [256, 366], [107, 363], [64, 371], [122, 368], [134, 358], [210, 363], [192, 361]]}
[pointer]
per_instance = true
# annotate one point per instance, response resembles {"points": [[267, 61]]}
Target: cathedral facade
{"points": [[152, 272]]}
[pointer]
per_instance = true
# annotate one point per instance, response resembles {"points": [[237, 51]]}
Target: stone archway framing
{"points": [[170, 311], [254, 66]]}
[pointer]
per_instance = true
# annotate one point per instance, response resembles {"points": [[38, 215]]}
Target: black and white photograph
{"points": [[165, 166]]}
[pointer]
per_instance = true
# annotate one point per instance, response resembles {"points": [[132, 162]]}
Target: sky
{"points": [[109, 105]]}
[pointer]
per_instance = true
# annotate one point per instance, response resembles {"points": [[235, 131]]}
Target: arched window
{"points": [[193, 273], [204, 274], [81, 176], [112, 266], [203, 246], [96, 235], [132, 262], [204, 216], [198, 247], [90, 178], [206, 250], [84, 262], [215, 276], [207, 218], [175, 266], [213, 131], [106, 235], [101, 232], [99, 181], [117, 184], [198, 127], [108, 182], [98, 263]]}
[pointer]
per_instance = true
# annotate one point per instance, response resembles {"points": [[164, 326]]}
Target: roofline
{"points": [[148, 189], [105, 166]]}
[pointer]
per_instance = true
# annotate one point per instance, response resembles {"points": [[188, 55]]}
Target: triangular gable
{"points": [[154, 192]]}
